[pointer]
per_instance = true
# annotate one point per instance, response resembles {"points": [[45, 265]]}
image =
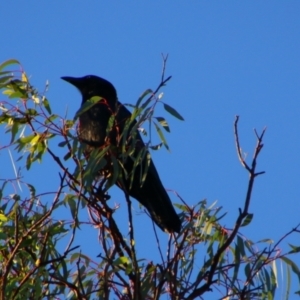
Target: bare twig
{"points": [[242, 215]]}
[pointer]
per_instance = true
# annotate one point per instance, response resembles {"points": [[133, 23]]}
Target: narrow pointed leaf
{"points": [[163, 123], [9, 62], [247, 220], [87, 105], [173, 112], [161, 136], [47, 105], [293, 266], [4, 80], [148, 91]]}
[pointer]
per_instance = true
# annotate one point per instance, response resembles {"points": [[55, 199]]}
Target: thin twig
{"points": [[242, 215]]}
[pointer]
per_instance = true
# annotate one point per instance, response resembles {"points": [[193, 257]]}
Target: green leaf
{"points": [[274, 276], [32, 190], [247, 220], [70, 200], [18, 87], [67, 155], [173, 112], [41, 149], [268, 241], [161, 135], [136, 157], [3, 218], [14, 131], [145, 104], [35, 140], [47, 105], [163, 123], [110, 124], [288, 281], [62, 144], [156, 147], [295, 249], [96, 162], [28, 161], [9, 62], [147, 92], [27, 139], [17, 95], [5, 73], [121, 260], [293, 266], [4, 80], [87, 105], [241, 247], [145, 166], [31, 112], [237, 263], [115, 172], [51, 119], [247, 271], [136, 112]]}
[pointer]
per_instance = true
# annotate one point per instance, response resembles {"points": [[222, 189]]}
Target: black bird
{"points": [[92, 131]]}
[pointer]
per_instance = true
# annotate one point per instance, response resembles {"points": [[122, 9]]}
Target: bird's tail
{"points": [[154, 197]]}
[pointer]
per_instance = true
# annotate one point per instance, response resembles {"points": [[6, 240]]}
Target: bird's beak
{"points": [[73, 80]]}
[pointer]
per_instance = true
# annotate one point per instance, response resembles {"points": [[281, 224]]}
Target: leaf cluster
{"points": [[204, 257]]}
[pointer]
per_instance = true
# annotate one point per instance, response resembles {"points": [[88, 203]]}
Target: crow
{"points": [[92, 131]]}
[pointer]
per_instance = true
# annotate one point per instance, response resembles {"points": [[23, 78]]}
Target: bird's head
{"points": [[91, 85]]}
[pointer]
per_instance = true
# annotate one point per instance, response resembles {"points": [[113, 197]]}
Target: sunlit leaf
{"points": [[35, 99], [274, 269], [163, 123], [142, 131], [24, 77], [35, 140], [111, 123], [156, 147], [121, 260], [17, 86], [3, 218]]}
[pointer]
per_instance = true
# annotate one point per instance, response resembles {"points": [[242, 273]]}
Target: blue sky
{"points": [[227, 58]]}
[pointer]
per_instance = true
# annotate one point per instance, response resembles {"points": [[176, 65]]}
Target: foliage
{"points": [[33, 267]]}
